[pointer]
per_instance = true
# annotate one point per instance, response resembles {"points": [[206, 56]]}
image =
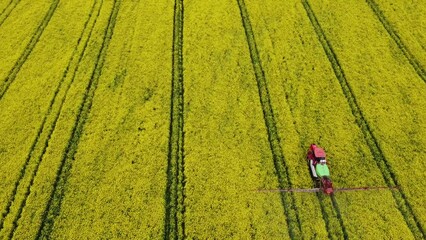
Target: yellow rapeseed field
{"points": [[185, 119]]}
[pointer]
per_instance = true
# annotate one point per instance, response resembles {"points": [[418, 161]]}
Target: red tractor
{"points": [[319, 169]]}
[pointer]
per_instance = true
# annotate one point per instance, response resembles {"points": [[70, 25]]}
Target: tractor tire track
{"points": [[8, 10], [394, 35], [4, 86], [388, 174], [339, 216], [325, 215], [330, 225], [333, 231], [174, 225], [4, 9], [284, 181], [53, 207], [40, 144]]}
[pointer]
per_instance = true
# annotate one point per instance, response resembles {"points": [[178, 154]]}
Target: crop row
{"points": [[21, 171], [102, 153], [17, 223], [4, 5], [21, 60], [18, 31], [281, 168], [62, 128], [382, 162], [45, 131], [118, 173], [373, 122], [329, 213], [302, 88], [175, 190], [410, 29], [55, 199], [329, 209], [6, 9]]}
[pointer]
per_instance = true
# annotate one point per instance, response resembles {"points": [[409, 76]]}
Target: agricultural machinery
{"points": [[320, 174], [319, 169]]}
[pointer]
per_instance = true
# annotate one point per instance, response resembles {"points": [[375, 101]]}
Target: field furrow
{"points": [[29, 125], [64, 111], [416, 39], [281, 168], [185, 119], [227, 153], [11, 76], [117, 182], [371, 131], [332, 218], [62, 175], [275, 141], [6, 10], [38, 148], [298, 73], [4, 5], [327, 209], [382, 163], [16, 33], [339, 216], [175, 191]]}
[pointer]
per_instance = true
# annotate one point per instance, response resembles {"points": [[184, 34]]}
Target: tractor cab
{"points": [[319, 154]]}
